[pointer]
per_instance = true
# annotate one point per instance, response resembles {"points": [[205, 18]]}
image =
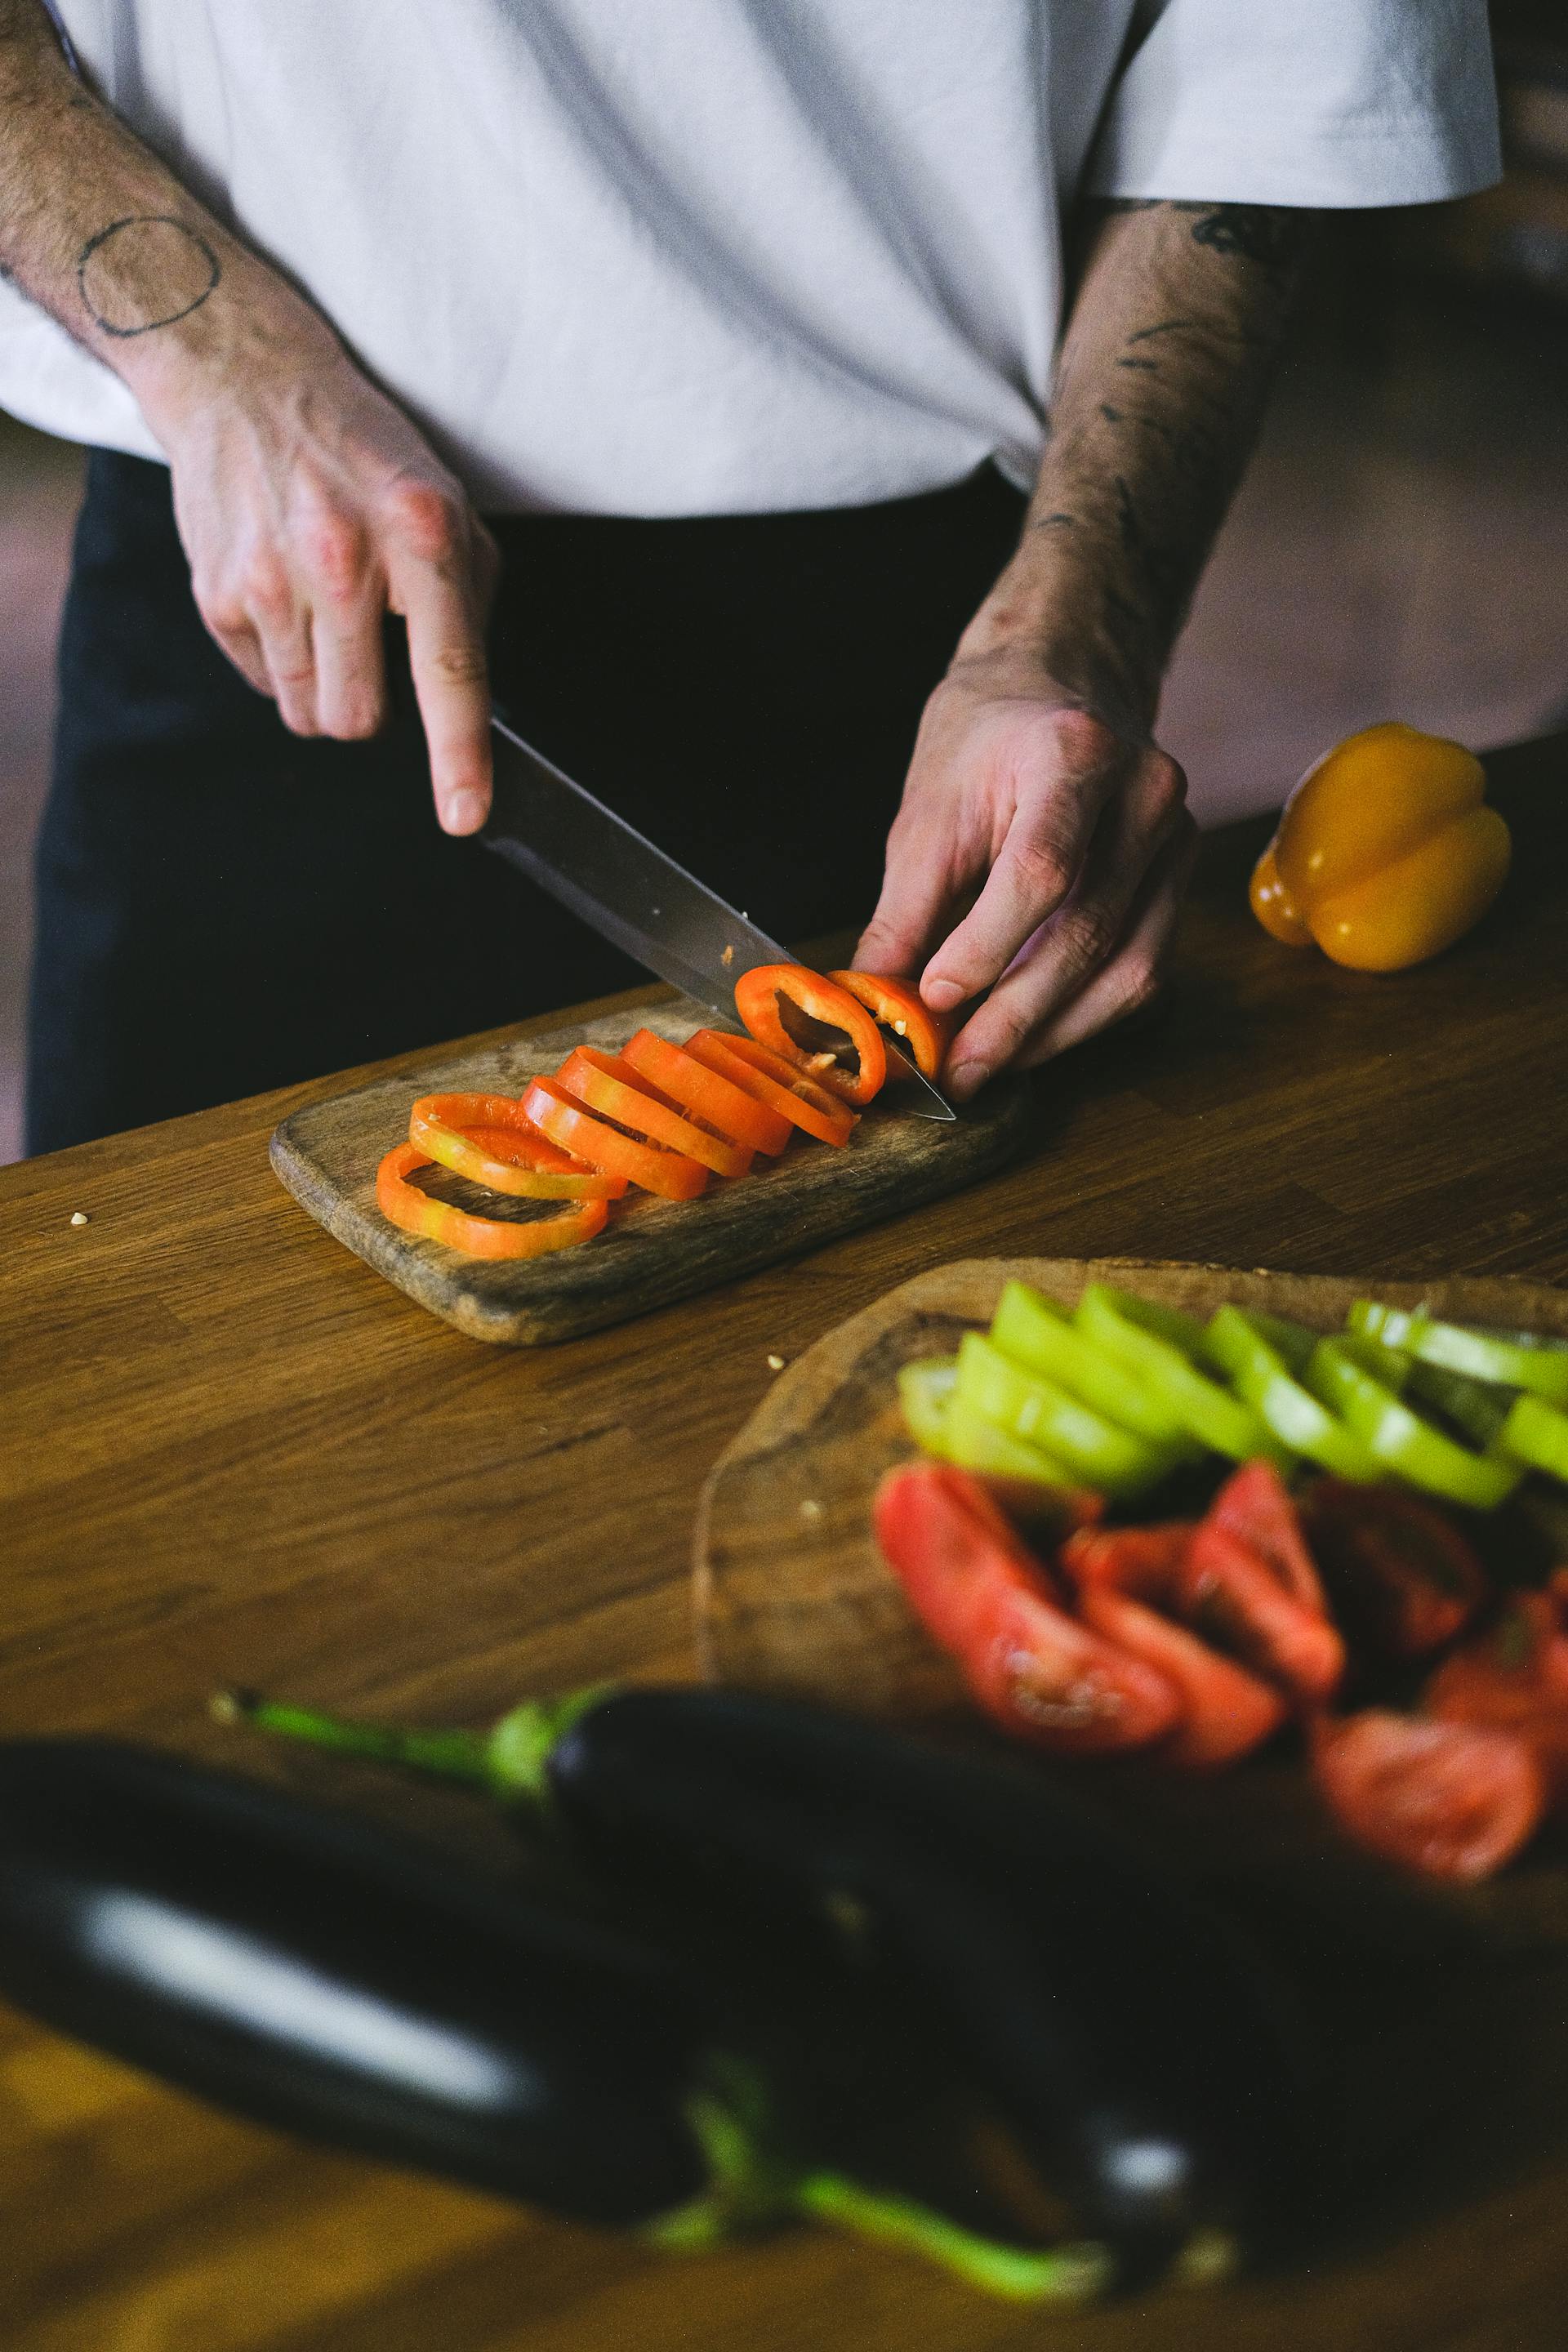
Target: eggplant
{"points": [[1148, 2062], [315, 1974], [318, 1974]]}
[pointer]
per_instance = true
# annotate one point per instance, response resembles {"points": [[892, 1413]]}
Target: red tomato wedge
{"points": [[1227, 1711], [1403, 1578], [564, 1119], [414, 1212], [611, 1087], [1147, 1562], [512, 1158], [1239, 1603], [1254, 1506], [814, 1025], [1514, 1678], [778, 1083], [980, 1593], [682, 1079], [925, 1035], [1454, 1800]]}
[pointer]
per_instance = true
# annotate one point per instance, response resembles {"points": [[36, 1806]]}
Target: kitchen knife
{"points": [[636, 897]]}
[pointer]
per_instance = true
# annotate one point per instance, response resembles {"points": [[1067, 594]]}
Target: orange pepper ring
{"points": [[611, 1087], [692, 1087], [760, 994], [782, 1085], [404, 1205], [668, 1173], [899, 1005], [524, 1167]]}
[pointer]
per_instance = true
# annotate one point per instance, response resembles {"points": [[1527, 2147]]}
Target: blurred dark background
{"points": [[1399, 549]]}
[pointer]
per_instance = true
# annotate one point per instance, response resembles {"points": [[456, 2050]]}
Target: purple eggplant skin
{"points": [[316, 1974], [1151, 2066]]}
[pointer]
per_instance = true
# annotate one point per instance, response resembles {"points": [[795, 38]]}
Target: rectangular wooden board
{"points": [[653, 1252]]}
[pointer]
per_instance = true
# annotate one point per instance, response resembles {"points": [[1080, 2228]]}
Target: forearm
{"points": [[1170, 351], [98, 232]]}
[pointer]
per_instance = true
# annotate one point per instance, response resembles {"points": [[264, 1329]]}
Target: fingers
{"points": [[1065, 775], [915, 905], [1135, 973], [438, 580], [1064, 954]]}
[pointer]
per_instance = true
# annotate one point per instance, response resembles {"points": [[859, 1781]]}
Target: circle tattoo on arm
{"points": [[146, 272]]}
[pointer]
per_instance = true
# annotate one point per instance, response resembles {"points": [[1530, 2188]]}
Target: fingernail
{"points": [[464, 813], [968, 1079], [941, 996]]}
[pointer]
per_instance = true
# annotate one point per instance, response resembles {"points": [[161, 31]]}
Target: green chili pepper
{"points": [[1398, 1435], [1144, 1338], [1536, 1432], [975, 1443], [925, 1392], [1040, 1335], [1235, 1341], [1035, 1409], [1510, 1361]]}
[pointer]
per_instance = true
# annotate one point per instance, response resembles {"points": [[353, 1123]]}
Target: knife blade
{"points": [[618, 883]]}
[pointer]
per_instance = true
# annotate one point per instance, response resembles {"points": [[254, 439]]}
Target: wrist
{"points": [[254, 333], [1073, 629]]}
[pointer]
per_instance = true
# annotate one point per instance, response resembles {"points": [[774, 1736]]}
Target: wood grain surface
{"points": [[229, 1450], [790, 1592], [653, 1252]]}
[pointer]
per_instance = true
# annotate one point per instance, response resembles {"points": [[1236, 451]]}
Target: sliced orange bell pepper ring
{"points": [[503, 1152], [782, 1085], [1387, 853], [683, 1079], [815, 1026], [925, 1035], [416, 1213], [611, 1087], [561, 1116]]}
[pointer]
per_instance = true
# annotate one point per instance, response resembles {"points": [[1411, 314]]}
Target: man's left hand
{"points": [[1039, 853]]}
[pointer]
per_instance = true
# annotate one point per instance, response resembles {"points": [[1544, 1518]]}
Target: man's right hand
{"points": [[311, 506]]}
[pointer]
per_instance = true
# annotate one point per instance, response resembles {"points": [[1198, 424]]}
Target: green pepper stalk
{"points": [[752, 2184]]}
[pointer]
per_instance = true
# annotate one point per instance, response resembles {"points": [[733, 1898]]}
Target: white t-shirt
{"points": [[690, 257]]}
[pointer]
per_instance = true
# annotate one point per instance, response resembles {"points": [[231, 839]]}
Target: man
{"points": [[737, 324]]}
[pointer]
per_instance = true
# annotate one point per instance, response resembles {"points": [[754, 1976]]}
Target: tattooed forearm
{"points": [[1170, 351], [149, 263]]}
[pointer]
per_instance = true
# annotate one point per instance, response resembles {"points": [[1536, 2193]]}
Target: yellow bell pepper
{"points": [[1387, 853]]}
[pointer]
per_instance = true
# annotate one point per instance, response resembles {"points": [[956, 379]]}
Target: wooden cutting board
{"points": [[791, 1593], [652, 1252]]}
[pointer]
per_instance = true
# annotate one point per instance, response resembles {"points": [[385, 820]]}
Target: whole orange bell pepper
{"points": [[1386, 852]]}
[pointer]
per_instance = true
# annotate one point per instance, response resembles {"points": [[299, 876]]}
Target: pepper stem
{"points": [[511, 1759]]}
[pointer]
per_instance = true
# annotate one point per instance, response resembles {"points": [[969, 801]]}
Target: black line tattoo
{"points": [[1150, 367], [185, 254]]}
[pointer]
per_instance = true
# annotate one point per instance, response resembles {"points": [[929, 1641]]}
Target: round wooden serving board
{"points": [[792, 1595]]}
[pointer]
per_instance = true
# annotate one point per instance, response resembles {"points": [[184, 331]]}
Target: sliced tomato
{"points": [[1147, 1562], [1227, 1711], [815, 1026], [1454, 1800], [780, 1084], [405, 1206], [1403, 1578], [562, 1119], [925, 1035], [1239, 1604], [1514, 1678], [613, 1088], [722, 1105], [982, 1596], [1254, 1506]]}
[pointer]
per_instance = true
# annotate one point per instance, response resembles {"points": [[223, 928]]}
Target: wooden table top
{"points": [[231, 1451]]}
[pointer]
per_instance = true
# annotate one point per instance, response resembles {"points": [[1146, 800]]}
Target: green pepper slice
{"points": [[1514, 1361], [925, 1392], [1399, 1437], [1038, 1411], [974, 1442], [1040, 1335], [1235, 1340], [1536, 1432], [1138, 1336]]}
